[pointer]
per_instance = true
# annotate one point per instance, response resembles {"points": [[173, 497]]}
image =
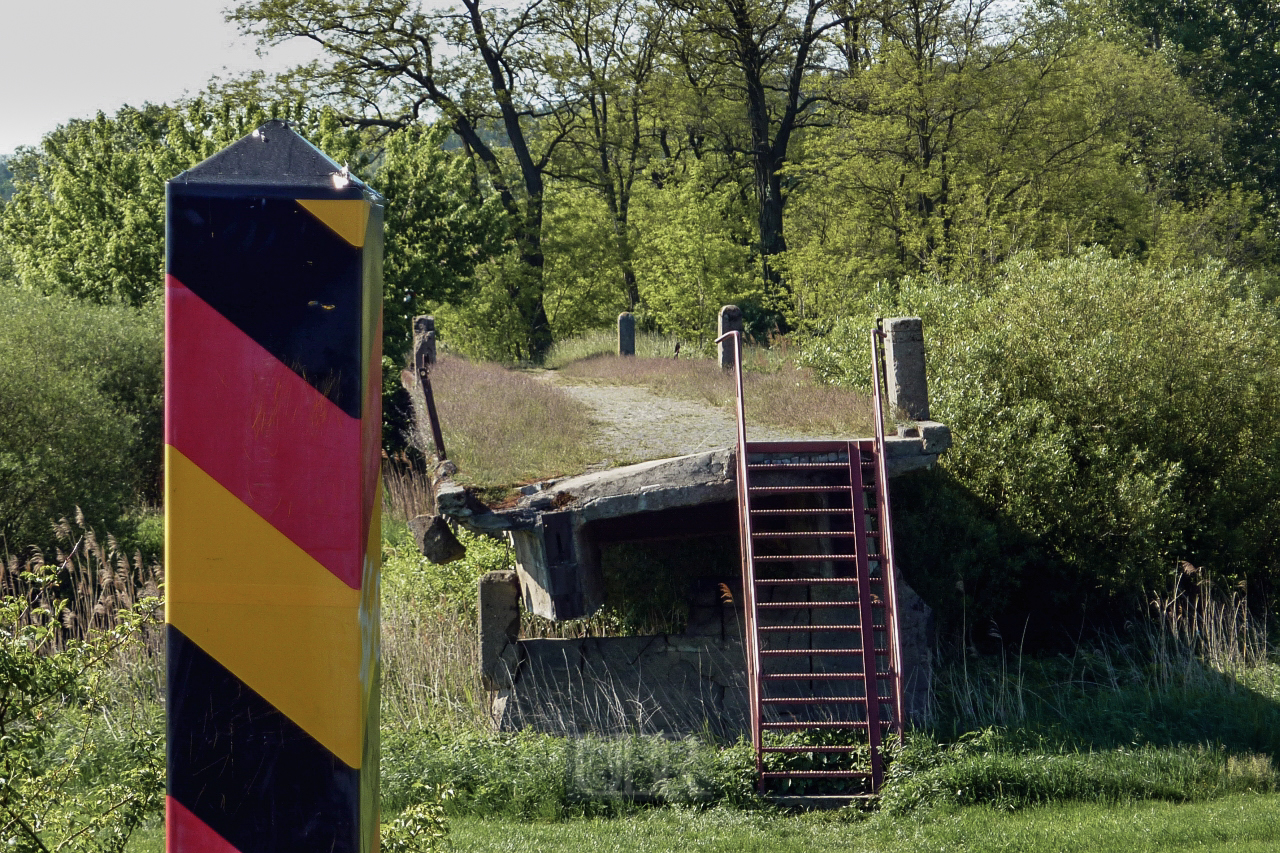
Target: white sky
{"points": [[65, 59]]}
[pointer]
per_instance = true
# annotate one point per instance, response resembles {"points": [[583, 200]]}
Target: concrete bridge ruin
{"points": [[678, 519]]}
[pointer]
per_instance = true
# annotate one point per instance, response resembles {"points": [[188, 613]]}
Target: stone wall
{"points": [[673, 684], [669, 684]]}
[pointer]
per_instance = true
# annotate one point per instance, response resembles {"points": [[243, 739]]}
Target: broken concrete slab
{"points": [[435, 540]]}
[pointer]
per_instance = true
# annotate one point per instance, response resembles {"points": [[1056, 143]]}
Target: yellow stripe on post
{"points": [[348, 219], [265, 609]]}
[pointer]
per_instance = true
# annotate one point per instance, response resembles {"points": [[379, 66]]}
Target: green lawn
{"points": [[1240, 823]]}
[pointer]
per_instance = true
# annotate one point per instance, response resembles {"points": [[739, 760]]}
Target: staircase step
{"points": [[815, 774], [816, 700], [783, 465], [804, 581], [820, 802], [824, 510], [805, 534], [778, 653], [818, 446], [819, 676], [803, 605], [796, 749], [825, 724], [809, 628], [795, 490], [775, 558]]}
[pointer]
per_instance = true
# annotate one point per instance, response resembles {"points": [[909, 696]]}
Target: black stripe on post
{"points": [[246, 770]]}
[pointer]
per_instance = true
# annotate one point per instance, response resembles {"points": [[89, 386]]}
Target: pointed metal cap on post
{"points": [[276, 159]]}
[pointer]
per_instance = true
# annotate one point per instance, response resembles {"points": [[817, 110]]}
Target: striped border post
{"points": [[273, 366]]}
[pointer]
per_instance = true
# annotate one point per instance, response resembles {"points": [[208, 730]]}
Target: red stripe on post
{"points": [[264, 433], [188, 833]]}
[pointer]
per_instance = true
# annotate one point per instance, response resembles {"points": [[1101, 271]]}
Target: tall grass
{"points": [[430, 666], [1197, 625], [430, 644], [407, 489], [93, 589], [782, 395], [1197, 670], [502, 427]]}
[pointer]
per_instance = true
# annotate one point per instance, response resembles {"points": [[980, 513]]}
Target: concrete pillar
{"points": [[904, 366], [626, 333], [273, 426], [424, 341], [499, 627], [730, 321]]}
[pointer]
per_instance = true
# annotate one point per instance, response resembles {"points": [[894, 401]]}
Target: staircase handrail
{"points": [[744, 533], [886, 536]]}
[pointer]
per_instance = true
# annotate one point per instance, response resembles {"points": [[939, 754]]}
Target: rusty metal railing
{"points": [[748, 572], [886, 531]]}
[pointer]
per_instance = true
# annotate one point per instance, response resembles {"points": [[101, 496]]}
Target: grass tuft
{"points": [[989, 767], [503, 428], [778, 394]]}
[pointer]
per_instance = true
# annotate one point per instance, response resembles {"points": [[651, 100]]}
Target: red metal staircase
{"points": [[824, 670]]}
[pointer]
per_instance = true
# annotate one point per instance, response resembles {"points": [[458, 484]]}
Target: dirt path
{"points": [[636, 424]]}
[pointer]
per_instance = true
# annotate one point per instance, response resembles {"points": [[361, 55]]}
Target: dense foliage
{"points": [[80, 412], [1110, 421], [81, 758]]}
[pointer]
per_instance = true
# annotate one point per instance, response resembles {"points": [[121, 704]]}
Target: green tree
{"points": [[587, 260], [80, 412], [608, 54], [694, 254], [439, 227], [1229, 53], [951, 158], [87, 217], [479, 67], [6, 180], [773, 57]]}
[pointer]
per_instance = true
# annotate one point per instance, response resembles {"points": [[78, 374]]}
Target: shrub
{"points": [[80, 412], [1121, 417], [420, 828]]}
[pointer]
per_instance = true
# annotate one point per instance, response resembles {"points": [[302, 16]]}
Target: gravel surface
{"points": [[636, 424]]}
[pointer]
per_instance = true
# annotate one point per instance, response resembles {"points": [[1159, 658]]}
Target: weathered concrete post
{"points": [[626, 333], [424, 355], [730, 321], [499, 627], [424, 341], [904, 363], [273, 421]]}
